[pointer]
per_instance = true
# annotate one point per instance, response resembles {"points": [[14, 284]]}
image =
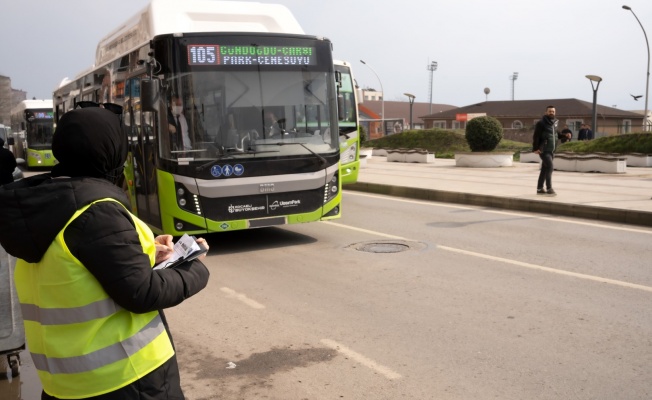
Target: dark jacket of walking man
{"points": [[543, 144]]}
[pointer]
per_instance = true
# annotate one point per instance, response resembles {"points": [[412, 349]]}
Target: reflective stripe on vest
{"points": [[84, 344], [100, 358]]}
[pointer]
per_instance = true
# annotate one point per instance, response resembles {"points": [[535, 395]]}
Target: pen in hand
{"points": [[164, 248]]}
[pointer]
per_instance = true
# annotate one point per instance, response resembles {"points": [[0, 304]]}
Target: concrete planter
{"points": [[480, 159], [639, 160], [530, 157], [607, 164], [410, 156], [366, 152], [363, 160]]}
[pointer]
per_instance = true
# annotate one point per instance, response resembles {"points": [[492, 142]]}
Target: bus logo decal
{"points": [[238, 169], [227, 170]]}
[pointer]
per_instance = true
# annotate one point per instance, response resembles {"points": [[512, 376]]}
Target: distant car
{"points": [[18, 174]]}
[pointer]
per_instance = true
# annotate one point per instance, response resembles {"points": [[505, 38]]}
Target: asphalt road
{"points": [[417, 300]]}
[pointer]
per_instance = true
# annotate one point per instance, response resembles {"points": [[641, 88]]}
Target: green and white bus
{"points": [[349, 126], [32, 126], [196, 81]]}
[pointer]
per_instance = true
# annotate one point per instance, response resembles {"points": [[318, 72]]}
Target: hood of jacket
{"points": [[35, 209]]}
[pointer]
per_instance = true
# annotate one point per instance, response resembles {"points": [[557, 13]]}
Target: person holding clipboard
{"points": [[91, 300]]}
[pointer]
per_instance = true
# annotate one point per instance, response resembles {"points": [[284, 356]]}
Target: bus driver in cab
{"points": [[178, 125]]}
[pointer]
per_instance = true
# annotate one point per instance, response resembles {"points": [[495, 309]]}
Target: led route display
{"points": [[215, 54]]}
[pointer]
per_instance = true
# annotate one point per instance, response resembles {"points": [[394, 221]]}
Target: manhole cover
{"points": [[384, 247], [388, 246]]}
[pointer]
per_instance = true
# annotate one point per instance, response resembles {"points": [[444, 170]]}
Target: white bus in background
{"points": [[32, 130], [259, 145], [348, 121]]}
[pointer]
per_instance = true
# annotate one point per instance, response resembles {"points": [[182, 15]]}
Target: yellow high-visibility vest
{"points": [[82, 343]]}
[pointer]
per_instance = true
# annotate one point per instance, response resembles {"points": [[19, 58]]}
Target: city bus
{"points": [[32, 126], [348, 119], [195, 83]]}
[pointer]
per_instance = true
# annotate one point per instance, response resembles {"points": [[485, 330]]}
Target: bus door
{"points": [[143, 150]]}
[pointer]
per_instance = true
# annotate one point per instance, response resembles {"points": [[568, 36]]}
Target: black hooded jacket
{"points": [[545, 135], [104, 239]]}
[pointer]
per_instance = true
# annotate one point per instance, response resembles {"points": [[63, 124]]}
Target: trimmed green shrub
{"points": [[483, 133]]}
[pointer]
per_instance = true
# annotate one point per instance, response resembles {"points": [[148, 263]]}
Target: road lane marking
{"points": [[532, 215], [388, 373], [239, 296], [508, 261], [548, 269], [375, 233]]}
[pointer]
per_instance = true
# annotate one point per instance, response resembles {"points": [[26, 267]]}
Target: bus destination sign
{"points": [[215, 54]]}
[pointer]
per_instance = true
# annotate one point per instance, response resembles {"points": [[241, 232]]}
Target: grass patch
{"points": [[444, 143]]}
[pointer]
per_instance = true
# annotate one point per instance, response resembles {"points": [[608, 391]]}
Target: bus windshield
{"points": [[246, 114], [39, 129]]}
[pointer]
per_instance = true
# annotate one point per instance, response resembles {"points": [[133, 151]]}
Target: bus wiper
{"points": [[322, 160], [230, 156]]}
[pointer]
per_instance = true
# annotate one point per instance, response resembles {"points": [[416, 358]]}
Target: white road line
{"points": [[239, 296], [479, 208], [548, 269], [375, 233], [388, 373], [508, 261]]}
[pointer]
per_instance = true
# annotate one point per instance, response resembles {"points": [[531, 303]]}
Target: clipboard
{"points": [[186, 249]]}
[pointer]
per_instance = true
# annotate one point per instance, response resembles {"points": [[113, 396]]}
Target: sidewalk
{"points": [[623, 198]]}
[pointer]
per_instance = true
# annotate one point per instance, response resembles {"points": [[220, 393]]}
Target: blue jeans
{"points": [[546, 170]]}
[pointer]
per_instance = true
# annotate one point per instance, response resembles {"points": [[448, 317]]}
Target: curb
{"points": [[631, 217]]}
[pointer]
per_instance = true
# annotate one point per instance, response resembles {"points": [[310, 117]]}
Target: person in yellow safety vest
{"points": [[91, 302]]}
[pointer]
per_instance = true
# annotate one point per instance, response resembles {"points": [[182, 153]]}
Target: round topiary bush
{"points": [[483, 133]]}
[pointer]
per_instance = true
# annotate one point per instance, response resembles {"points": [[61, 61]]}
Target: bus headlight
{"points": [[188, 201], [332, 188], [348, 155]]}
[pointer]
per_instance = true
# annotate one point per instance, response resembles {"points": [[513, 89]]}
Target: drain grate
{"points": [[386, 246]]}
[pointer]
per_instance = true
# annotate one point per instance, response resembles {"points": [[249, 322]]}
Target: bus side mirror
{"points": [[10, 141], [150, 93]]}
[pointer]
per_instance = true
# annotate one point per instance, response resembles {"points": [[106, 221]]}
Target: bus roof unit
{"points": [[172, 16], [32, 105]]}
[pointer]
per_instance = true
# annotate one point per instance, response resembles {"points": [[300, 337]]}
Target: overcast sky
{"points": [[478, 44]]}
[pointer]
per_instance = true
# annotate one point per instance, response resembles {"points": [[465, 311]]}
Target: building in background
{"points": [[396, 112], [518, 117], [8, 99]]}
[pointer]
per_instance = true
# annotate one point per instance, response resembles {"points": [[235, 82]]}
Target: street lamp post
{"points": [[595, 78], [382, 109], [647, 81], [432, 67], [411, 99], [513, 78]]}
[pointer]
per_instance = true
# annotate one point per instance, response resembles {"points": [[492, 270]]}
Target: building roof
{"points": [[527, 108], [401, 109]]}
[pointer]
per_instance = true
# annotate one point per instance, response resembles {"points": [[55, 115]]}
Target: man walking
{"points": [[543, 144]]}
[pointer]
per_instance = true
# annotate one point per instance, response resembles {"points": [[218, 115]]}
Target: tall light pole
{"points": [[382, 109], [647, 81], [512, 78], [432, 67], [595, 78], [411, 99]]}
